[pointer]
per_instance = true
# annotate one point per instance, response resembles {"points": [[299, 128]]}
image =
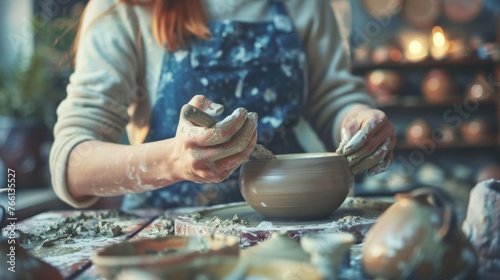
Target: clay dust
{"points": [[72, 228]]}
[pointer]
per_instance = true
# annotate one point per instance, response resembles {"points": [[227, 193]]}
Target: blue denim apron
{"points": [[260, 66]]}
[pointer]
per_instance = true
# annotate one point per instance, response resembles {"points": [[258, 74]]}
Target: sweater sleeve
{"points": [[332, 87], [100, 90]]}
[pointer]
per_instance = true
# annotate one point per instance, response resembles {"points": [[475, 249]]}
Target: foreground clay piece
{"points": [[156, 253], [278, 246], [228, 268], [418, 238], [327, 251], [296, 186], [280, 257], [482, 223]]}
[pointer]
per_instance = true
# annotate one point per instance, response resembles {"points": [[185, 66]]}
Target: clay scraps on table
{"points": [[365, 203], [78, 225], [217, 223], [164, 228]]}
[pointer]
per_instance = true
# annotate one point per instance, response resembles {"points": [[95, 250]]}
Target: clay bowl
{"points": [[157, 253], [296, 186]]}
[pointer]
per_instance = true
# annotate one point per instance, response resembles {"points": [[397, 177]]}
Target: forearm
{"points": [[332, 87], [97, 168]]}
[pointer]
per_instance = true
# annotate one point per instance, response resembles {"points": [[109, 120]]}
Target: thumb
{"points": [[347, 131]]}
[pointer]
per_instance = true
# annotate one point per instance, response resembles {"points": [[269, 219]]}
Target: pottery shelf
{"points": [[412, 103], [404, 104], [471, 62], [430, 97], [409, 104], [488, 142]]}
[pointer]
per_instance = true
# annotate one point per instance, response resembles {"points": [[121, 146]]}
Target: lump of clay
{"points": [[482, 223]]}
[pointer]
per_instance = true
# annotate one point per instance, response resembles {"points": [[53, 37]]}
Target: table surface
{"points": [[72, 259]]}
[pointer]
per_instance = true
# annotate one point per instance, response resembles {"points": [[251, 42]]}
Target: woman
{"points": [[276, 67]]}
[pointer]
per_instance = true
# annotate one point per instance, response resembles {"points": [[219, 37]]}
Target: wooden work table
{"points": [[72, 256]]}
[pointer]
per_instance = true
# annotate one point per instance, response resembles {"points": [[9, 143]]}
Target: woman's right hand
{"points": [[211, 154]]}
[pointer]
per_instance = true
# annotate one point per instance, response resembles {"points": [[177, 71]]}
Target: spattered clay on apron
{"points": [[260, 66]]}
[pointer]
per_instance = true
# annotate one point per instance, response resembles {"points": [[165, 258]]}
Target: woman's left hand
{"points": [[367, 140]]}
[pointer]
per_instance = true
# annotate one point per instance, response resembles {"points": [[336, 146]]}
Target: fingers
{"points": [[379, 160], [206, 105], [372, 159], [214, 163], [371, 145], [228, 127], [230, 164], [212, 152], [217, 171], [365, 133], [346, 134], [383, 166], [367, 141], [238, 143], [219, 133]]}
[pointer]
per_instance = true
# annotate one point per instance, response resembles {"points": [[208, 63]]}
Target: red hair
{"points": [[174, 22]]}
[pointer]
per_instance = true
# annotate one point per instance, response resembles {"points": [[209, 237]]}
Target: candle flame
{"points": [[415, 47], [438, 38]]}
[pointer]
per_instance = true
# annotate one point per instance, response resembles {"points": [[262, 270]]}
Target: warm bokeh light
{"points": [[415, 47], [417, 50], [377, 77], [440, 43], [438, 38]]}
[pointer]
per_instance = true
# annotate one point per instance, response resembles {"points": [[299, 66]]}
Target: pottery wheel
{"points": [[356, 216]]}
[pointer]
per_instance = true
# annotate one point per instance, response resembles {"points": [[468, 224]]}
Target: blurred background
{"points": [[433, 68], [432, 65], [35, 63]]}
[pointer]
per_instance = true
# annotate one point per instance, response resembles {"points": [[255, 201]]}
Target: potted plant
{"points": [[29, 95], [25, 130]]}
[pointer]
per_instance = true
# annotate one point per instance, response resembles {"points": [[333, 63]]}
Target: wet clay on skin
{"points": [[358, 160], [201, 118]]}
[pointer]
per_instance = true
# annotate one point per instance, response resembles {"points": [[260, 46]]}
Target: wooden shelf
{"points": [[419, 104], [488, 142], [470, 62]]}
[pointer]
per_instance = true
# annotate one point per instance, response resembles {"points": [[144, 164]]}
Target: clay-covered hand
{"points": [[367, 140], [212, 154]]}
